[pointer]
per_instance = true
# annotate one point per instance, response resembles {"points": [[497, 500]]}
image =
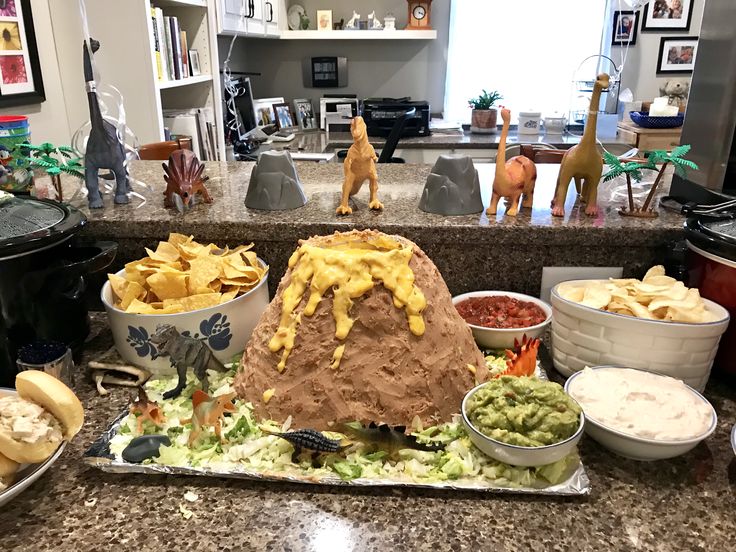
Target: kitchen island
{"points": [[471, 251], [682, 504]]}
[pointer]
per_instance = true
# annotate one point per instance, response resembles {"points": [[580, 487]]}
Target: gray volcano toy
{"points": [[274, 184], [452, 188]]}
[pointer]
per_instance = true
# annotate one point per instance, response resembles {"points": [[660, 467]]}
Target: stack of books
{"points": [[197, 123], [170, 47]]}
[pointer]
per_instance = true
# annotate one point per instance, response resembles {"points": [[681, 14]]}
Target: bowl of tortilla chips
{"points": [[656, 324], [210, 293]]}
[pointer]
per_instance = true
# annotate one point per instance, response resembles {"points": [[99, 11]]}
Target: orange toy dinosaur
{"points": [[208, 411], [146, 409], [514, 177], [583, 161], [522, 361], [360, 165]]}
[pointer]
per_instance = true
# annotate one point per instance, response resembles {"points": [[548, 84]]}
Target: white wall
{"points": [[48, 120], [640, 71]]}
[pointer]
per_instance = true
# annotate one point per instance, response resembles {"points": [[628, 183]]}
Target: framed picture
{"points": [[667, 15], [284, 116], [677, 54], [265, 115], [20, 70], [324, 20], [193, 62], [304, 113], [624, 28]]}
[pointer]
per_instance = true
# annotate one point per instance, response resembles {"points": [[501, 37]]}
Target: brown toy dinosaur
{"points": [[146, 409], [583, 161], [208, 411], [514, 177], [360, 165], [184, 180]]}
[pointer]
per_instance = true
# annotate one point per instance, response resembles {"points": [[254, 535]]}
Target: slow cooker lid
{"points": [[720, 229], [27, 224]]}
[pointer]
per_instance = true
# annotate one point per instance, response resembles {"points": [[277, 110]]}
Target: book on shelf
{"points": [[163, 56], [168, 46], [176, 47], [156, 45], [197, 123], [184, 55]]}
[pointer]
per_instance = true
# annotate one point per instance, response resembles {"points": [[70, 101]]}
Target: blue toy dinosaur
{"points": [[104, 147]]}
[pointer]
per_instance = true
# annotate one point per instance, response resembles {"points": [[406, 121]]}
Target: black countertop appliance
{"points": [[42, 276], [380, 114]]}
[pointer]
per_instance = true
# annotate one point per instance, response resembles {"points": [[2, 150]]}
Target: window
{"points": [[526, 49]]}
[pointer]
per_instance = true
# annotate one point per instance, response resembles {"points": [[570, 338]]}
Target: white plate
{"points": [[733, 439], [28, 473], [293, 16]]}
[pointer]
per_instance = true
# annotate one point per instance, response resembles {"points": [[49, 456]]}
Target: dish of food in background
{"points": [[522, 421], [510, 303], [654, 297], [639, 414], [36, 421], [500, 311]]}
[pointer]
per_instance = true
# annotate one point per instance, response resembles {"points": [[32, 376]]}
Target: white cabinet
{"points": [[256, 18]]}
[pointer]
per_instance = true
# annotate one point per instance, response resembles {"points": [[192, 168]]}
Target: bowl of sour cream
{"points": [[640, 414]]}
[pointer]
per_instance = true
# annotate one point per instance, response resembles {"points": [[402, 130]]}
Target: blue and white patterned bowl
{"points": [[225, 328]]}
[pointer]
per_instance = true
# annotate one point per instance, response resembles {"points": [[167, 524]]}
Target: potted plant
{"points": [[483, 119]]}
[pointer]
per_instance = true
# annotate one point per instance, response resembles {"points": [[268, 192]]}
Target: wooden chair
{"points": [[543, 154], [160, 151]]}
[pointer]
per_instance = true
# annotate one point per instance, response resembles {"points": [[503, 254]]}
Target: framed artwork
{"points": [[667, 15], [20, 70], [304, 113], [324, 20], [284, 116], [265, 115], [677, 54], [194, 63], [624, 28]]}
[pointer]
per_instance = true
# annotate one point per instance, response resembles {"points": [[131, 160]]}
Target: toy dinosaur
{"points": [[387, 438], [514, 177], [105, 148], [360, 165], [307, 439], [184, 180], [583, 162], [184, 352], [146, 409], [522, 361], [208, 411]]}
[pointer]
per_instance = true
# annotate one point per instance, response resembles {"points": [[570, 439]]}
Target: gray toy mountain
{"points": [[274, 184], [452, 188]]}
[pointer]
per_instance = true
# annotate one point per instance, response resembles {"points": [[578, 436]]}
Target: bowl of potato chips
{"points": [[656, 324], [207, 292]]}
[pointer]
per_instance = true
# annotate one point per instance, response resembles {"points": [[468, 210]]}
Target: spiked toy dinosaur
{"points": [[105, 149], [583, 162], [514, 177]]}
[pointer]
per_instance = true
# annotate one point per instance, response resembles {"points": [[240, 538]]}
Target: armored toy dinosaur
{"points": [[360, 165], [185, 352], [104, 149]]}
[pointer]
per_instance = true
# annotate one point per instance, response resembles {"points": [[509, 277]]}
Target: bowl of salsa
{"points": [[496, 318]]}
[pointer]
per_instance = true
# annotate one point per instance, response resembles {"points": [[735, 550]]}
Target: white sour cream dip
{"points": [[641, 404]]}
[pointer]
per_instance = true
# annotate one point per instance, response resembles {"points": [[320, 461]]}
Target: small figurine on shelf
{"points": [[340, 25], [184, 180], [54, 160], [633, 170], [514, 177], [353, 21], [359, 166], [373, 22], [389, 23]]}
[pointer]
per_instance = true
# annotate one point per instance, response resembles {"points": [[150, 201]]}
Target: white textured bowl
{"points": [[503, 338], [583, 336], [225, 328], [640, 448], [516, 455]]}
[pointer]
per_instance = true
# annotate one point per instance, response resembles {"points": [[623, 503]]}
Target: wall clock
{"points": [[419, 15]]}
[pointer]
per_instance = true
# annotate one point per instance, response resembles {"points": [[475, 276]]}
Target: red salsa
{"points": [[500, 311]]}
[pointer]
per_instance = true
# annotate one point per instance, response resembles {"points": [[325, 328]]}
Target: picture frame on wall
{"points": [[625, 23], [677, 55], [21, 82], [304, 113], [667, 15], [284, 116], [263, 109]]}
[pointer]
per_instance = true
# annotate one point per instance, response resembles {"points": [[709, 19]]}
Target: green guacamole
{"points": [[523, 411]]}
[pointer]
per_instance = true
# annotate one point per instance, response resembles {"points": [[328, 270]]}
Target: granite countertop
{"points": [[687, 503]]}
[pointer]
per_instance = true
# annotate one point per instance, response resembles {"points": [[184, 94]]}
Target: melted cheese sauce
{"points": [[641, 404], [350, 269]]}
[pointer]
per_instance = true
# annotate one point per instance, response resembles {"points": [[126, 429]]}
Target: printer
{"points": [[380, 114]]}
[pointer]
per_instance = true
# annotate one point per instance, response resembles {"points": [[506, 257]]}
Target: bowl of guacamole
{"points": [[522, 421]]}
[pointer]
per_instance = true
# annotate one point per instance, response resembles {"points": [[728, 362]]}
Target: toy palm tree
{"points": [[675, 157], [55, 160], [629, 170]]}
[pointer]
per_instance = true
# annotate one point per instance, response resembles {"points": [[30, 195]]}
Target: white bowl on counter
{"points": [[225, 328], [635, 447], [516, 455], [584, 336], [503, 338]]}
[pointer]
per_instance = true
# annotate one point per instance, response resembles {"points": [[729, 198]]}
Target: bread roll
{"points": [[7, 467], [47, 391], [24, 452]]}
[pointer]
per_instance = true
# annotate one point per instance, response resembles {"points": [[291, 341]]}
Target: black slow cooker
{"points": [[42, 276]]}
